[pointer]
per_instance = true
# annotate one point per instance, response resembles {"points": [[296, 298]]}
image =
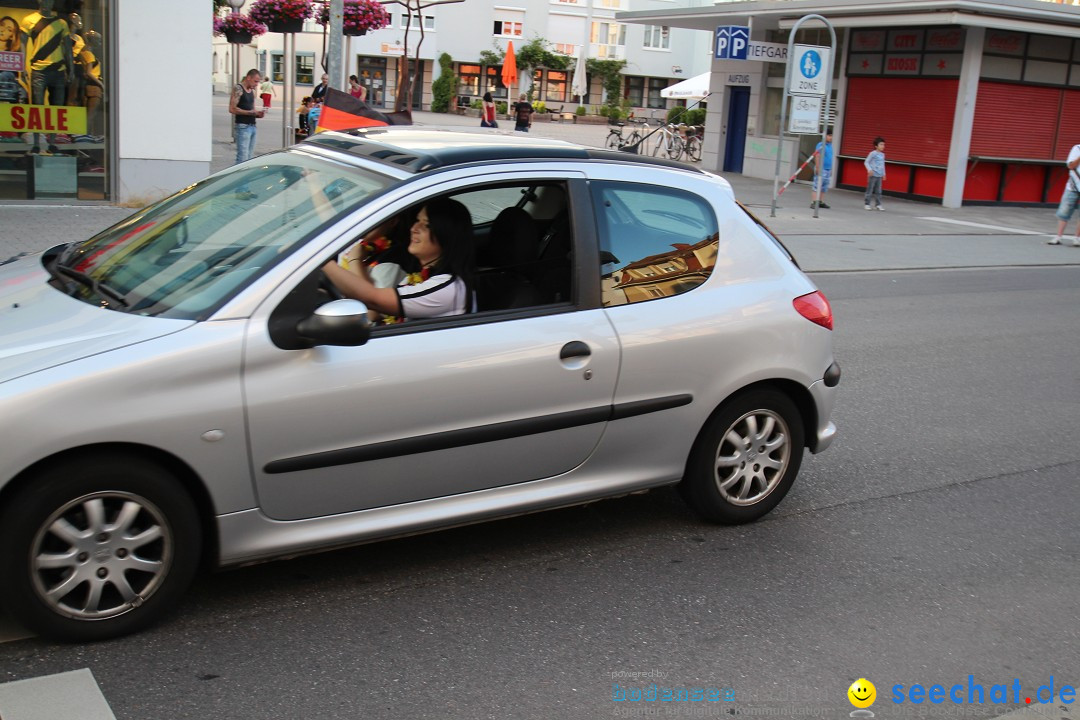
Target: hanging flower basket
{"points": [[238, 28], [359, 17], [282, 15], [240, 38], [286, 26]]}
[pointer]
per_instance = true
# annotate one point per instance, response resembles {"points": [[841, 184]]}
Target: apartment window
{"points": [[608, 4], [429, 21], [507, 28], [469, 79], [565, 49], [608, 33], [305, 68], [556, 86], [657, 37], [654, 99]]}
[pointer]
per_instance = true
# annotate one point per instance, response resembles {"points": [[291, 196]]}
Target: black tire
{"points": [[693, 148], [721, 470], [116, 539], [614, 140]]}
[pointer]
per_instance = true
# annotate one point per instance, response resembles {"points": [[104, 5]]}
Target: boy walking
{"points": [[875, 174], [823, 156]]}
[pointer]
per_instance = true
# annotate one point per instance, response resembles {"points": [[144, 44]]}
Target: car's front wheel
{"points": [[97, 547], [746, 458]]}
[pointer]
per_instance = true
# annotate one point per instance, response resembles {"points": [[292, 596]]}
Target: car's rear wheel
{"points": [[97, 547], [746, 458]]}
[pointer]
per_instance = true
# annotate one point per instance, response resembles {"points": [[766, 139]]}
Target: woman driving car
{"points": [[440, 242]]}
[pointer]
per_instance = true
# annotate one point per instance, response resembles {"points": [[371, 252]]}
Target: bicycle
{"points": [[692, 142], [670, 141], [615, 139]]}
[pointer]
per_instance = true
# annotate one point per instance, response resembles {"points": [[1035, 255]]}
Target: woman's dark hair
{"points": [[878, 139], [354, 78], [451, 225], [487, 97]]}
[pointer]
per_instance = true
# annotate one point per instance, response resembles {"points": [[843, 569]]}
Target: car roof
{"points": [[419, 149]]}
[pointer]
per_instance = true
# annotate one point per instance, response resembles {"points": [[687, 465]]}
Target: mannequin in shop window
{"points": [[47, 42]]}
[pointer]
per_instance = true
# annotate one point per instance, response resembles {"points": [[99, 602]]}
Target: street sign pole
{"points": [[792, 60]]}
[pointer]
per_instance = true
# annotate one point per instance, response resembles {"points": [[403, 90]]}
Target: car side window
{"points": [[655, 242]]}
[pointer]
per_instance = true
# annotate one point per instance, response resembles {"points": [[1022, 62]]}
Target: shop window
{"points": [[556, 86], [75, 157], [657, 37], [635, 90], [654, 243], [469, 80], [654, 99]]}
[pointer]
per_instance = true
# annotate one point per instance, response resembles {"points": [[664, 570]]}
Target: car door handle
{"points": [[574, 349]]}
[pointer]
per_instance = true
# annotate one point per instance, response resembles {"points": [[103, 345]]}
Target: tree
{"points": [[413, 9], [442, 90]]}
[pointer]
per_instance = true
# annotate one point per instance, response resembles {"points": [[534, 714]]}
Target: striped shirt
{"points": [[45, 41]]}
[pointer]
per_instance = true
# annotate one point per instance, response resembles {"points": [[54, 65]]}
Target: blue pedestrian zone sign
{"points": [[732, 42], [810, 68]]}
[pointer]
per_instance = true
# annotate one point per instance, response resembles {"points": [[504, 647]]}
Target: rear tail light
{"points": [[815, 308]]}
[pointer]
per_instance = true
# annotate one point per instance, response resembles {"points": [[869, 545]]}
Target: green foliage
{"points": [[219, 4], [491, 58], [501, 107], [609, 72], [442, 90], [580, 110], [477, 104], [540, 106], [535, 54], [687, 117]]}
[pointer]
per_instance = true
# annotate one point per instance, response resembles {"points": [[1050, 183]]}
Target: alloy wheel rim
{"points": [[752, 457], [101, 555]]}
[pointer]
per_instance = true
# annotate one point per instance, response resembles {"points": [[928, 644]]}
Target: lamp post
{"points": [[235, 5]]}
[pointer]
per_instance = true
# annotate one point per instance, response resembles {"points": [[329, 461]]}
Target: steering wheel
{"points": [[329, 287]]}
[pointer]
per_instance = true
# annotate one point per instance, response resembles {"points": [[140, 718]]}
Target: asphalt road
{"points": [[937, 539]]}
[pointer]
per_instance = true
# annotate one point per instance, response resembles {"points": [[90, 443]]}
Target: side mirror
{"points": [[341, 322]]}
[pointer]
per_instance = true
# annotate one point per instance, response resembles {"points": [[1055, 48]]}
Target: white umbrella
{"points": [[580, 87], [693, 88]]}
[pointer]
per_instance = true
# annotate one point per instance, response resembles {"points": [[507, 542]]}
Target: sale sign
{"points": [[66, 119]]}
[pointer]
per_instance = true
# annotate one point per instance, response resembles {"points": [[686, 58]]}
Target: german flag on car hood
{"points": [[341, 111]]}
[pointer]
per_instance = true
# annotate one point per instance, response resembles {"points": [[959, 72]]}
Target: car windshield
{"points": [[188, 254]]}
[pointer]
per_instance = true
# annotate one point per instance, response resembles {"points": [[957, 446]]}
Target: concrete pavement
{"points": [[907, 235]]}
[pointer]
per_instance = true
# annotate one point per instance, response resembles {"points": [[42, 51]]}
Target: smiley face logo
{"points": [[862, 693]]}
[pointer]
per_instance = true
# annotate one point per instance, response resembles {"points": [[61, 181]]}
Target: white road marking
{"points": [[1015, 231], [72, 694]]}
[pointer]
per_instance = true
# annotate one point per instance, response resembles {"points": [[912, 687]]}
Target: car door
{"points": [[441, 408]]}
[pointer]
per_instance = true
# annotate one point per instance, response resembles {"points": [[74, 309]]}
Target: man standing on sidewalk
{"points": [[822, 170], [1069, 198], [242, 107]]}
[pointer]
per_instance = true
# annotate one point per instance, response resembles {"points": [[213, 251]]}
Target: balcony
{"points": [[607, 52]]}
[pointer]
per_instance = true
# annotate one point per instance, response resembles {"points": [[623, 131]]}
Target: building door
{"points": [[372, 75], [738, 110]]}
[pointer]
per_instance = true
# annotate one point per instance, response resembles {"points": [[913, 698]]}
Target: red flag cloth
{"points": [[509, 70], [341, 111]]}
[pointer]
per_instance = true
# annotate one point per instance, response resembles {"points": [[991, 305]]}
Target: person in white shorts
{"points": [[1069, 198]]}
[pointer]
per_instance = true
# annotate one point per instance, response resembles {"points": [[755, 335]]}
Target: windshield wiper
{"points": [[98, 287]]}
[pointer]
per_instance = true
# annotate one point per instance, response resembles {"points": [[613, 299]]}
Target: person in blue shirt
{"points": [[875, 174], [823, 156]]}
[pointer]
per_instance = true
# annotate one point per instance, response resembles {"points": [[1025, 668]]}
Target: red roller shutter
{"points": [[1068, 125], [1015, 121], [914, 115]]}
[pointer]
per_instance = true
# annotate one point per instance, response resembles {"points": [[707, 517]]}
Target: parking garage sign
{"points": [[732, 42], [809, 70]]}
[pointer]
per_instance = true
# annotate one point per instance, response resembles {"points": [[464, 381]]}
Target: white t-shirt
{"points": [[1074, 175], [439, 296]]}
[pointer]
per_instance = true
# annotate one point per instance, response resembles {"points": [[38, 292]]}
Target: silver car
{"points": [[187, 390]]}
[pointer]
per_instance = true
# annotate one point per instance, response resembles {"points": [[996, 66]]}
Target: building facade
{"points": [[130, 126], [976, 100], [655, 56]]}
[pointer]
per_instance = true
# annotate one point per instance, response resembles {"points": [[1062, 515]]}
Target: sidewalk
{"points": [[907, 235]]}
